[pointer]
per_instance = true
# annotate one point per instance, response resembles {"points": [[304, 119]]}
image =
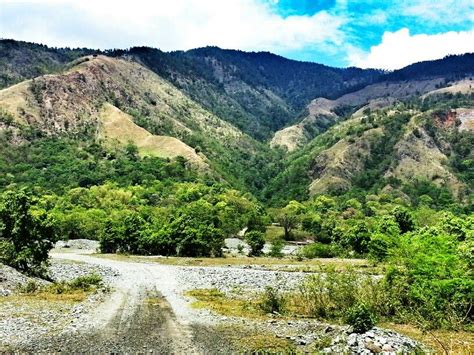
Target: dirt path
{"points": [[146, 313]]}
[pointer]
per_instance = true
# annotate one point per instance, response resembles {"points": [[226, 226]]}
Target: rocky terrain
{"points": [[147, 308]]}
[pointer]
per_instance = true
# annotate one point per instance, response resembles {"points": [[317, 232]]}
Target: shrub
{"points": [[110, 238], [256, 241], [330, 294], [318, 250], [378, 247], [272, 301], [30, 287], [86, 282], [276, 249], [358, 238], [361, 318], [429, 281], [403, 219]]}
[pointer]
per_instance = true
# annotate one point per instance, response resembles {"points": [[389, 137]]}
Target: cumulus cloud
{"points": [[399, 49], [169, 25]]}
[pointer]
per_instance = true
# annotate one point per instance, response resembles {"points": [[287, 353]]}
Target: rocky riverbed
{"points": [[147, 298]]}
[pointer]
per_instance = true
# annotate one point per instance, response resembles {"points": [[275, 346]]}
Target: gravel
{"points": [[126, 311], [233, 279], [79, 244], [232, 244], [376, 341], [11, 280], [63, 270]]}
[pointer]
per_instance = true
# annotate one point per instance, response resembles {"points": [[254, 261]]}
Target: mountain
{"points": [[278, 128], [422, 143], [257, 92], [117, 101]]}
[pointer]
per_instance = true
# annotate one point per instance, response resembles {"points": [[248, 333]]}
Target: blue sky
{"points": [[364, 33]]}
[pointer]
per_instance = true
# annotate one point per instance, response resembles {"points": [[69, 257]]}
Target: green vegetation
{"points": [[361, 318], [27, 233], [393, 186]]}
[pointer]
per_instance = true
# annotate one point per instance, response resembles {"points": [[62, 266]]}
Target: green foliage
{"points": [[61, 164], [318, 250], [360, 318], [86, 283], [332, 295], [272, 301], [26, 233], [404, 220], [357, 238], [431, 278], [276, 248], [289, 217], [256, 242]]}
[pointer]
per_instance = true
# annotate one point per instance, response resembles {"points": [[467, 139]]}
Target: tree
{"points": [[403, 219], [256, 241], [26, 234], [290, 216], [358, 238], [195, 228]]}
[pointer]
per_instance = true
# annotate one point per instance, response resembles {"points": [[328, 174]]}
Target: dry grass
{"points": [[266, 263], [441, 341], [218, 302], [47, 297], [118, 126], [14, 99], [273, 233], [248, 340]]}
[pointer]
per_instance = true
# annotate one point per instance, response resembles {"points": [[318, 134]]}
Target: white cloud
{"points": [[442, 12], [399, 49], [169, 25]]}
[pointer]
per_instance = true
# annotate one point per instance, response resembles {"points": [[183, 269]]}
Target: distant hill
{"points": [[277, 128]]}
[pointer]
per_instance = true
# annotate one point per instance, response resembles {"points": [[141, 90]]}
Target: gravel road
{"points": [[147, 312]]}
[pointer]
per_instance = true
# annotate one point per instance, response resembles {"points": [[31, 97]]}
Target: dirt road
{"points": [[145, 313]]}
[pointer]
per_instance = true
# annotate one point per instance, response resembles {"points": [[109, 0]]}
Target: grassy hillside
{"points": [[420, 142]]}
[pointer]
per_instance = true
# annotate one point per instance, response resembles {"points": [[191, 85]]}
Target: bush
{"points": [[378, 247], [360, 318], [256, 241], [357, 238], [276, 249], [428, 280], [272, 301], [330, 294], [86, 282], [26, 234], [318, 250]]}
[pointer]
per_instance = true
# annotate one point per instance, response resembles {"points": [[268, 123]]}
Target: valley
{"points": [[221, 201]]}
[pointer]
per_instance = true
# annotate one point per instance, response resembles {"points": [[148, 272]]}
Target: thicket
{"points": [[27, 233]]}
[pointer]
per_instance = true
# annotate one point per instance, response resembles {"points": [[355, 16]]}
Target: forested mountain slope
{"points": [[107, 100], [421, 145], [362, 130]]}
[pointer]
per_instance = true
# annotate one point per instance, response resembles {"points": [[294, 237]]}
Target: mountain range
{"points": [[277, 128]]}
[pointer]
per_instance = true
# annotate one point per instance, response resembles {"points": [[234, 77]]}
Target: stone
{"points": [[388, 348], [375, 348], [370, 334]]}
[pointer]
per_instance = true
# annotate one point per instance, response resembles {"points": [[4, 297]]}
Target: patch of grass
{"points": [[441, 341], [267, 263], [249, 341], [75, 290], [218, 302], [273, 233], [266, 343]]}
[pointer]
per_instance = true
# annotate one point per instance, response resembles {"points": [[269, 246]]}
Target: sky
{"points": [[363, 33]]}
